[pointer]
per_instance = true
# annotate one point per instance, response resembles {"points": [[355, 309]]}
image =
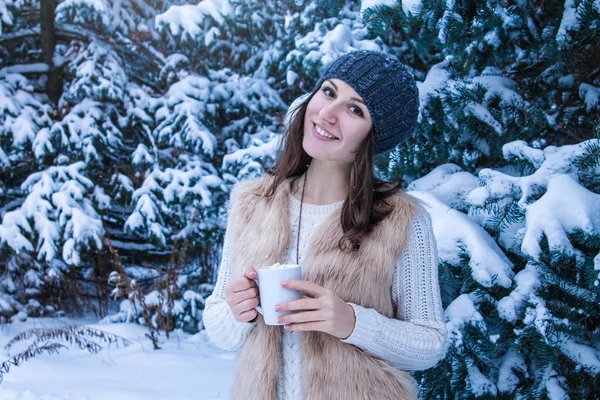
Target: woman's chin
{"points": [[313, 150]]}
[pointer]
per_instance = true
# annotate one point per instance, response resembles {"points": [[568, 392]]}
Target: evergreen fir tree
{"points": [[492, 73], [522, 321]]}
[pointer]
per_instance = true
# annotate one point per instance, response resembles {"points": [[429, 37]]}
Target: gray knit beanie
{"points": [[388, 89]]}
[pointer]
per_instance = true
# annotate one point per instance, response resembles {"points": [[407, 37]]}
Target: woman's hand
{"points": [[323, 311], [241, 294]]}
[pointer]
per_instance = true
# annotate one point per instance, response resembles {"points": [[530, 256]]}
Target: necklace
{"points": [[300, 220]]}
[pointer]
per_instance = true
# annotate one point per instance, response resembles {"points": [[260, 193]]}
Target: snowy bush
{"points": [[519, 280], [21, 118]]}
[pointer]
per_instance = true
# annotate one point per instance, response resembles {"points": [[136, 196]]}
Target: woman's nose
{"points": [[328, 113]]}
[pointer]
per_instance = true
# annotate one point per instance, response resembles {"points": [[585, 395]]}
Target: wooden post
{"points": [[48, 42]]}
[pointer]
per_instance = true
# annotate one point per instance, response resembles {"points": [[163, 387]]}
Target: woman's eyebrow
{"points": [[351, 98]]}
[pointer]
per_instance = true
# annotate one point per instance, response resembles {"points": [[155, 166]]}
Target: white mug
{"points": [[272, 293]]}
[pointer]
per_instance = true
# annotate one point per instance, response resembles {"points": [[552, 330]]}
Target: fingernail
{"points": [[288, 327], [284, 283], [279, 319], [277, 308], [252, 273]]}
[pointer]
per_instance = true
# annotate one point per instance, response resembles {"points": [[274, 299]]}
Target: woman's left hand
{"points": [[324, 311]]}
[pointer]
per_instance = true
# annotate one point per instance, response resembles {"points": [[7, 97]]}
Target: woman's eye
{"points": [[356, 110], [328, 92]]}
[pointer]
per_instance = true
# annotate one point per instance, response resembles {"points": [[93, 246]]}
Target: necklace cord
{"points": [[300, 221]]}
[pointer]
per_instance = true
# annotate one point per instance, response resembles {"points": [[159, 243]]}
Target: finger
{"points": [[241, 284], [306, 326], [238, 297], [247, 315], [307, 316], [250, 273], [307, 286], [246, 305], [306, 303]]}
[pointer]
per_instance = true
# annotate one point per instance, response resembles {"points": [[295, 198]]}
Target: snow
{"points": [[99, 7], [480, 385], [291, 77], [481, 113], [186, 20], [326, 47], [590, 94], [20, 114], [553, 386], [364, 4], [457, 234], [141, 155], [564, 208], [569, 22], [182, 125], [527, 282], [539, 316], [585, 356], [6, 17], [243, 156], [25, 68], [507, 379], [519, 149], [493, 39], [436, 79], [55, 203], [449, 184], [185, 368], [461, 311], [145, 215], [408, 6], [499, 86]]}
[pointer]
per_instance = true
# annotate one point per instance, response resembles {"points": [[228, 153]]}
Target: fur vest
{"points": [[331, 369]]}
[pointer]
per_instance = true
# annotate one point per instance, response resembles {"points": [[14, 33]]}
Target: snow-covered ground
{"points": [[186, 368]]}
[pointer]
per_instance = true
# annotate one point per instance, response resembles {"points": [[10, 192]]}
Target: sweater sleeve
{"points": [[217, 317], [414, 340]]}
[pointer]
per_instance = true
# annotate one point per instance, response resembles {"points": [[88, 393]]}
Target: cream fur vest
{"points": [[331, 369]]}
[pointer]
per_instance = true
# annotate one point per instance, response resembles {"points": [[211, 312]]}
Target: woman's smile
{"points": [[322, 134]]}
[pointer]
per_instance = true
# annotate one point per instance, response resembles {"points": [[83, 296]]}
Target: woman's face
{"points": [[336, 123]]}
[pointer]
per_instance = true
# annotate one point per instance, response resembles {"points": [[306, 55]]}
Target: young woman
{"points": [[372, 308]]}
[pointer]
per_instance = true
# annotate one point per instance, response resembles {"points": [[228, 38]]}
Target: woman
{"points": [[372, 307]]}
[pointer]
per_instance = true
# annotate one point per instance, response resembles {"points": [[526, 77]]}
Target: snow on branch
{"points": [[172, 193], [182, 117], [57, 213], [98, 75], [186, 20], [21, 117], [86, 131], [457, 234]]}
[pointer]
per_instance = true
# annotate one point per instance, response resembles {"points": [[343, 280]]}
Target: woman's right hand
{"points": [[241, 294]]}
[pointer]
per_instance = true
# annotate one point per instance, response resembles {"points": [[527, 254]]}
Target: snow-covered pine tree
{"points": [[53, 218], [519, 240], [492, 73], [52, 222], [519, 274]]}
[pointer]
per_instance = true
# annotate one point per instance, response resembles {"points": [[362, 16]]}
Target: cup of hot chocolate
{"points": [[272, 293]]}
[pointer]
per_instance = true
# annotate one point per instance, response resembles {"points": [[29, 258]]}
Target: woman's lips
{"points": [[323, 138]]}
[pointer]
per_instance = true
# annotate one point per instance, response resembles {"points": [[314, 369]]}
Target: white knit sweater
{"points": [[411, 341]]}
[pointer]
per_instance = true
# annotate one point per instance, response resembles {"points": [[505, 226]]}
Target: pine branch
{"points": [[71, 334], [50, 348], [589, 159], [47, 341]]}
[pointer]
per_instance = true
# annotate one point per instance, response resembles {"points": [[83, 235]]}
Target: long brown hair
{"points": [[365, 205]]}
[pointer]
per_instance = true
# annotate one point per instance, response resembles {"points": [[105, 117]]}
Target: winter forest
{"points": [[124, 125]]}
